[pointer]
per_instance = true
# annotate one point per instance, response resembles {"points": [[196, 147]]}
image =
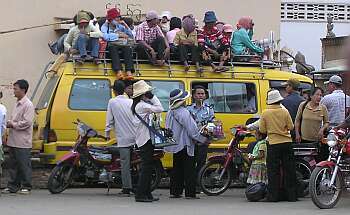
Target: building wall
{"points": [[24, 54]]}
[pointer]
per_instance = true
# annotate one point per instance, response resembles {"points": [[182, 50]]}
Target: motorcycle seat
{"points": [[106, 150]]}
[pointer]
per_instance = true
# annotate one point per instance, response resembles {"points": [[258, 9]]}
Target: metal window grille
{"points": [[314, 12]]}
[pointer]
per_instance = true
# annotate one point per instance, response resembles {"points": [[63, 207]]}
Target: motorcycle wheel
{"points": [[60, 178], [303, 173], [156, 177], [322, 195], [209, 178]]}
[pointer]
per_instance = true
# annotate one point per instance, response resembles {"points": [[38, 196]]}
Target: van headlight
{"points": [[332, 140]]}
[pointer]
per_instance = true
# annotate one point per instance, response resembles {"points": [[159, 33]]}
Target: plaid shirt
{"points": [[147, 34], [335, 103], [211, 35]]}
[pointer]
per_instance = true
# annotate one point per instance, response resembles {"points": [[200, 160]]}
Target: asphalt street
{"points": [[96, 201]]}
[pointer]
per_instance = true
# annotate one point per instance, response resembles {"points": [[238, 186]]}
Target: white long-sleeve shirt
{"points": [[144, 110], [120, 117], [2, 121]]}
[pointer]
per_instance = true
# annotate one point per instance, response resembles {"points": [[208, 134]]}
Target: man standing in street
{"points": [[335, 101], [202, 113], [20, 127], [292, 100], [2, 132], [120, 117]]}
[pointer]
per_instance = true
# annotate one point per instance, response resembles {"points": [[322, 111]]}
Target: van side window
{"points": [[47, 92], [233, 97], [163, 89], [90, 94], [277, 84]]}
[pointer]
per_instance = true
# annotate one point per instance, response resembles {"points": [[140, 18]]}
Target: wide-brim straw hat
{"points": [[177, 98], [274, 96], [140, 88]]}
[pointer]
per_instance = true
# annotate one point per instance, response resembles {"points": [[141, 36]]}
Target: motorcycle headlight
{"points": [[332, 140]]}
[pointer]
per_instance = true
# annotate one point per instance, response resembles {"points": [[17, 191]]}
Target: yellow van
{"points": [[83, 91]]}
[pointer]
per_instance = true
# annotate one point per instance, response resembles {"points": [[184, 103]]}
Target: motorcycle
{"points": [[89, 164], [330, 177], [218, 173]]}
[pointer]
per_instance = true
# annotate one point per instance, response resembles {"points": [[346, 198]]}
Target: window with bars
{"points": [[314, 12]]}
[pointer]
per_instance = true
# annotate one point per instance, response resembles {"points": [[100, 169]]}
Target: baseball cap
{"points": [[334, 79], [293, 82], [151, 15]]}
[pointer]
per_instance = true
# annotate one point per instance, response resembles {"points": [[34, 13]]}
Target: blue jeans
{"points": [[84, 43]]}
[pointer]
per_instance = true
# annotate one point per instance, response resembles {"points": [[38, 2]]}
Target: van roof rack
{"points": [[238, 60]]}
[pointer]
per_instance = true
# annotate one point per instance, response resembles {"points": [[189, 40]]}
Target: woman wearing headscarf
{"points": [[144, 105], [186, 41], [185, 130], [241, 41]]}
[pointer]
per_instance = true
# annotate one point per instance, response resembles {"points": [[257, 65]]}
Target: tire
{"points": [[60, 178], [209, 178], [303, 173], [156, 177], [318, 187]]}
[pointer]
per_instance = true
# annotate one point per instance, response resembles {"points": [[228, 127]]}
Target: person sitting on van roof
{"points": [[241, 41], [82, 36], [165, 19], [175, 26], [186, 40], [212, 42], [117, 33], [152, 43]]}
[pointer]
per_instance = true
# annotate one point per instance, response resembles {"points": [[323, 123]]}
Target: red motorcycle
{"points": [[217, 174], [330, 177], [88, 164]]}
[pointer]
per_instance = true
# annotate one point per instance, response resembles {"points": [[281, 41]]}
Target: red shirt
{"points": [[147, 34]]}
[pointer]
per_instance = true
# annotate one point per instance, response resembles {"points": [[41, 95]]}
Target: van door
{"points": [[234, 102]]}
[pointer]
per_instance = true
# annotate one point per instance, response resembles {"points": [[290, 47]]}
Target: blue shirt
{"points": [[203, 114], [184, 130], [292, 102], [110, 33]]}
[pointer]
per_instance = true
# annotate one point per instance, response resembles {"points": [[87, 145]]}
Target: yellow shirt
{"points": [[276, 122], [182, 36], [312, 120]]}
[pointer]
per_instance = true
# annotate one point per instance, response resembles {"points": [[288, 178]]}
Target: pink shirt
{"points": [[171, 35], [20, 136]]}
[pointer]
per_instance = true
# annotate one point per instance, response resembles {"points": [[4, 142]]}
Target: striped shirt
{"points": [[147, 34], [335, 103], [208, 36]]}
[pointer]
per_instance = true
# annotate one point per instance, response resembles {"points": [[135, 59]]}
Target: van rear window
{"points": [[90, 94]]}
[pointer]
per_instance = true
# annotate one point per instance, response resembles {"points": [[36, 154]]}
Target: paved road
{"points": [[96, 202]]}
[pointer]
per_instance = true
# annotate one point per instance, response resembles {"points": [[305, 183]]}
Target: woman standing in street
{"points": [[276, 122], [185, 130], [144, 104], [312, 118]]}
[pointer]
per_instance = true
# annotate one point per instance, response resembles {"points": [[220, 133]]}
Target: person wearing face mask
{"points": [[83, 36], [115, 32], [312, 118], [144, 105], [241, 41]]}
